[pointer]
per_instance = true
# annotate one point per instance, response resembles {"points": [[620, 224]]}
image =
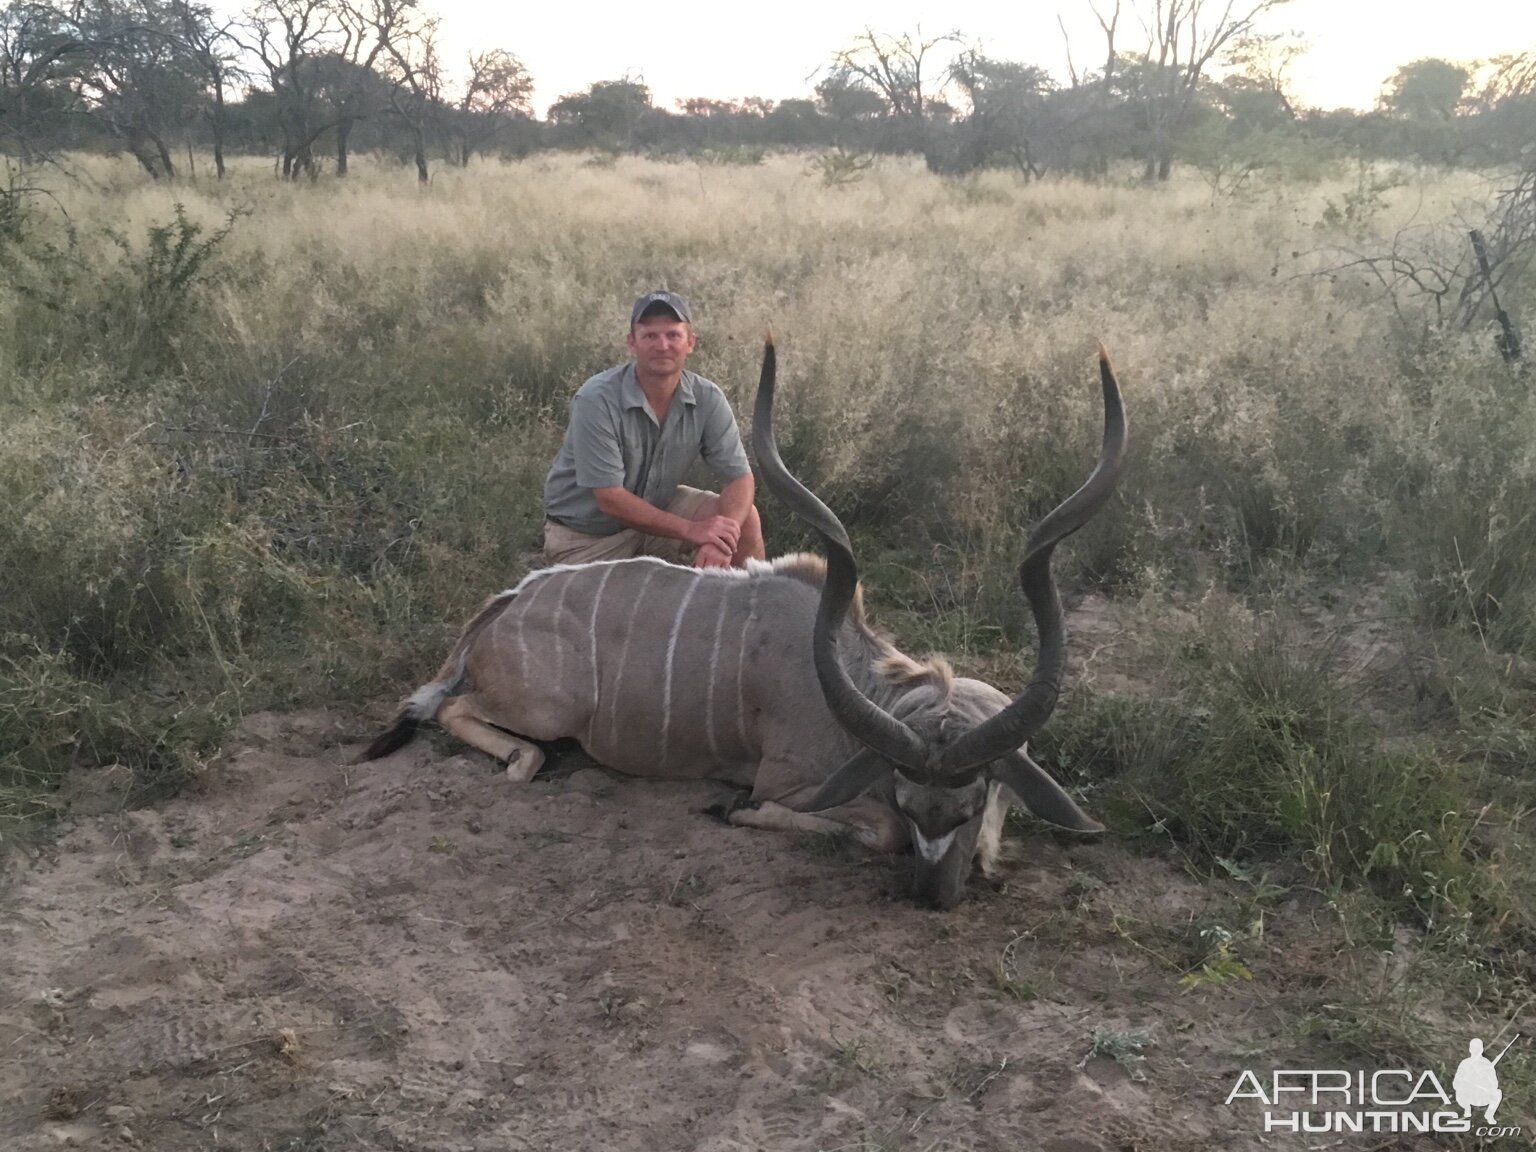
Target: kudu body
{"points": [[771, 679]]}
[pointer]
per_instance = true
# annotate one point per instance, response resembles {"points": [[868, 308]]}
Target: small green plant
{"points": [[968, 1079], [1124, 1048], [1082, 885], [1014, 988], [154, 287], [839, 168], [1219, 964], [18, 204], [14, 213], [1007, 978], [856, 1054], [686, 889], [1378, 1030], [1355, 211], [1480, 574]]}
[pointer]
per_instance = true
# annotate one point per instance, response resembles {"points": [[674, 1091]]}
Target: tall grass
{"points": [[267, 444]]}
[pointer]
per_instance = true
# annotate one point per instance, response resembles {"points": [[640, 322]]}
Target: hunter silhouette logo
{"points": [[1477, 1084], [1337, 1100]]}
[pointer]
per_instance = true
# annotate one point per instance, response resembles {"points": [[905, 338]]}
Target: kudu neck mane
{"points": [[884, 673]]}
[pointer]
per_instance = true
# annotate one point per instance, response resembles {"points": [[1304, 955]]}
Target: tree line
{"points": [[288, 78], [311, 81]]}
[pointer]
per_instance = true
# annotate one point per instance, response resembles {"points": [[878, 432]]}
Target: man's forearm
{"points": [[635, 512], [736, 498]]}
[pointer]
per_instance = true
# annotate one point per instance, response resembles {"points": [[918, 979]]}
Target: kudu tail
{"points": [[422, 705], [426, 700]]}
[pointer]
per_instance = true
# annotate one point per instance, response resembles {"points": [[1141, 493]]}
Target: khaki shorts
{"points": [[564, 545]]}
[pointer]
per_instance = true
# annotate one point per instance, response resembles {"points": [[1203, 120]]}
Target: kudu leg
{"points": [[989, 844], [776, 817], [523, 760]]}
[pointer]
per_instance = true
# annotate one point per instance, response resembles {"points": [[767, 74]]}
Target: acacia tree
{"points": [[214, 51], [894, 66], [1008, 103], [1506, 106], [495, 95], [412, 68], [607, 113], [290, 37], [1263, 63], [1509, 77], [1086, 114], [850, 108], [796, 122], [1426, 98], [40, 54], [1428, 90], [901, 69], [846, 97], [1184, 37], [349, 83], [138, 79]]}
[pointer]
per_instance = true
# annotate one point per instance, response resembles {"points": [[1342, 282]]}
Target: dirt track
{"points": [[416, 954]]}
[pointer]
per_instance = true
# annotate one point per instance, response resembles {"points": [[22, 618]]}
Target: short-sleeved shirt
{"points": [[614, 441]]}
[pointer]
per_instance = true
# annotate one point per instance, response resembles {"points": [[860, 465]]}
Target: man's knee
{"points": [[749, 545], [752, 526]]}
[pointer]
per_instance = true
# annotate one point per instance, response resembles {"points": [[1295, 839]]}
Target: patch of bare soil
{"points": [[416, 954]]}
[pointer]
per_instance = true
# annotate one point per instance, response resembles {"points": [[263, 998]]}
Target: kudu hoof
{"points": [[722, 811]]}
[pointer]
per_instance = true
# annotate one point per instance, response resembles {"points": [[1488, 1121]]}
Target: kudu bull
{"points": [[773, 679]]}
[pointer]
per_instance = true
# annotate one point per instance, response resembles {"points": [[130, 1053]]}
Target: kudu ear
{"points": [[858, 775], [1040, 794]]}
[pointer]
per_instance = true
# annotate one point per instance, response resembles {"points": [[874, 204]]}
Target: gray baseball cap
{"points": [[671, 300]]}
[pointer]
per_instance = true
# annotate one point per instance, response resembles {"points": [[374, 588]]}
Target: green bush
{"points": [[53, 719], [1264, 755]]}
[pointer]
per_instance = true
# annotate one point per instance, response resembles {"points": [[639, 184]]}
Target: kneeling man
{"points": [[613, 491]]}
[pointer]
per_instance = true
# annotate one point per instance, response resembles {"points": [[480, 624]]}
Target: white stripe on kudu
{"points": [[520, 608], [714, 672], [559, 628], [629, 631], [597, 602], [741, 664], [666, 691]]}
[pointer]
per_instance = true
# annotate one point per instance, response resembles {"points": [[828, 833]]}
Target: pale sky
{"points": [[774, 49]]}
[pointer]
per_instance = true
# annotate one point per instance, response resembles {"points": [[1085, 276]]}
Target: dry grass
{"points": [[279, 464]]}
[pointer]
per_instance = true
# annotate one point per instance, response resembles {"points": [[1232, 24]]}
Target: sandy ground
{"points": [[416, 954]]}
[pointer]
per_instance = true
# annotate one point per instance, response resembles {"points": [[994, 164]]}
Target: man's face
{"points": [[660, 344]]}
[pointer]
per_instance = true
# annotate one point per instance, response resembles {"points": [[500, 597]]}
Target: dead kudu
{"points": [[774, 680]]}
